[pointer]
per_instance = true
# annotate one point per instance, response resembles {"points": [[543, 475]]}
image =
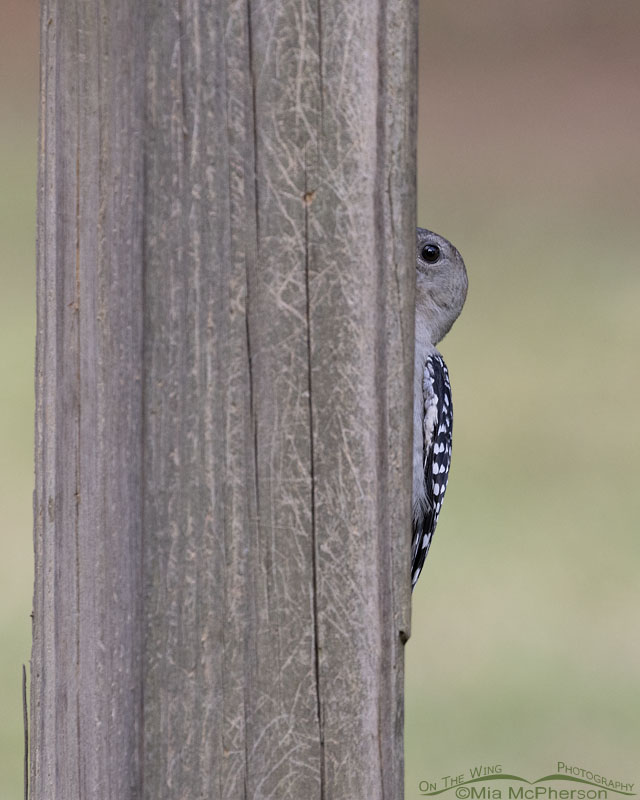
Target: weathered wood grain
{"points": [[86, 661], [225, 331]]}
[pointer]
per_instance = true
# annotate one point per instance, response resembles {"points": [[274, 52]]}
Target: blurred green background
{"points": [[525, 646], [18, 157]]}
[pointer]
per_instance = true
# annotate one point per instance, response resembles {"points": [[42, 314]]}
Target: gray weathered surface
{"points": [[225, 291], [86, 658]]}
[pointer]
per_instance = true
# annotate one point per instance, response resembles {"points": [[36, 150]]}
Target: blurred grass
{"points": [[17, 348], [525, 645], [18, 154]]}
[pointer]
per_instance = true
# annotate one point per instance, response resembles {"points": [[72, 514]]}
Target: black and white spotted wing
{"points": [[437, 431]]}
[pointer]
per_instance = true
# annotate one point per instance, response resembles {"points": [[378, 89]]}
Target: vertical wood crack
{"points": [[314, 541]]}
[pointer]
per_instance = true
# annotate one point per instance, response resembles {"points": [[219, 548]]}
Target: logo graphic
{"points": [[479, 783]]}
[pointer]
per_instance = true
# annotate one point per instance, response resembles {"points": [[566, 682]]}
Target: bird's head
{"points": [[441, 285]]}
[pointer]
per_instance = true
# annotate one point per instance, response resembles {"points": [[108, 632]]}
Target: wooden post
{"points": [[224, 369]]}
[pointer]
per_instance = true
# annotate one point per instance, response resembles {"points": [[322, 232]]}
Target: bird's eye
{"points": [[430, 253]]}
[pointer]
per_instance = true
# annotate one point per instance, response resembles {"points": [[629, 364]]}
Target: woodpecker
{"points": [[441, 289]]}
